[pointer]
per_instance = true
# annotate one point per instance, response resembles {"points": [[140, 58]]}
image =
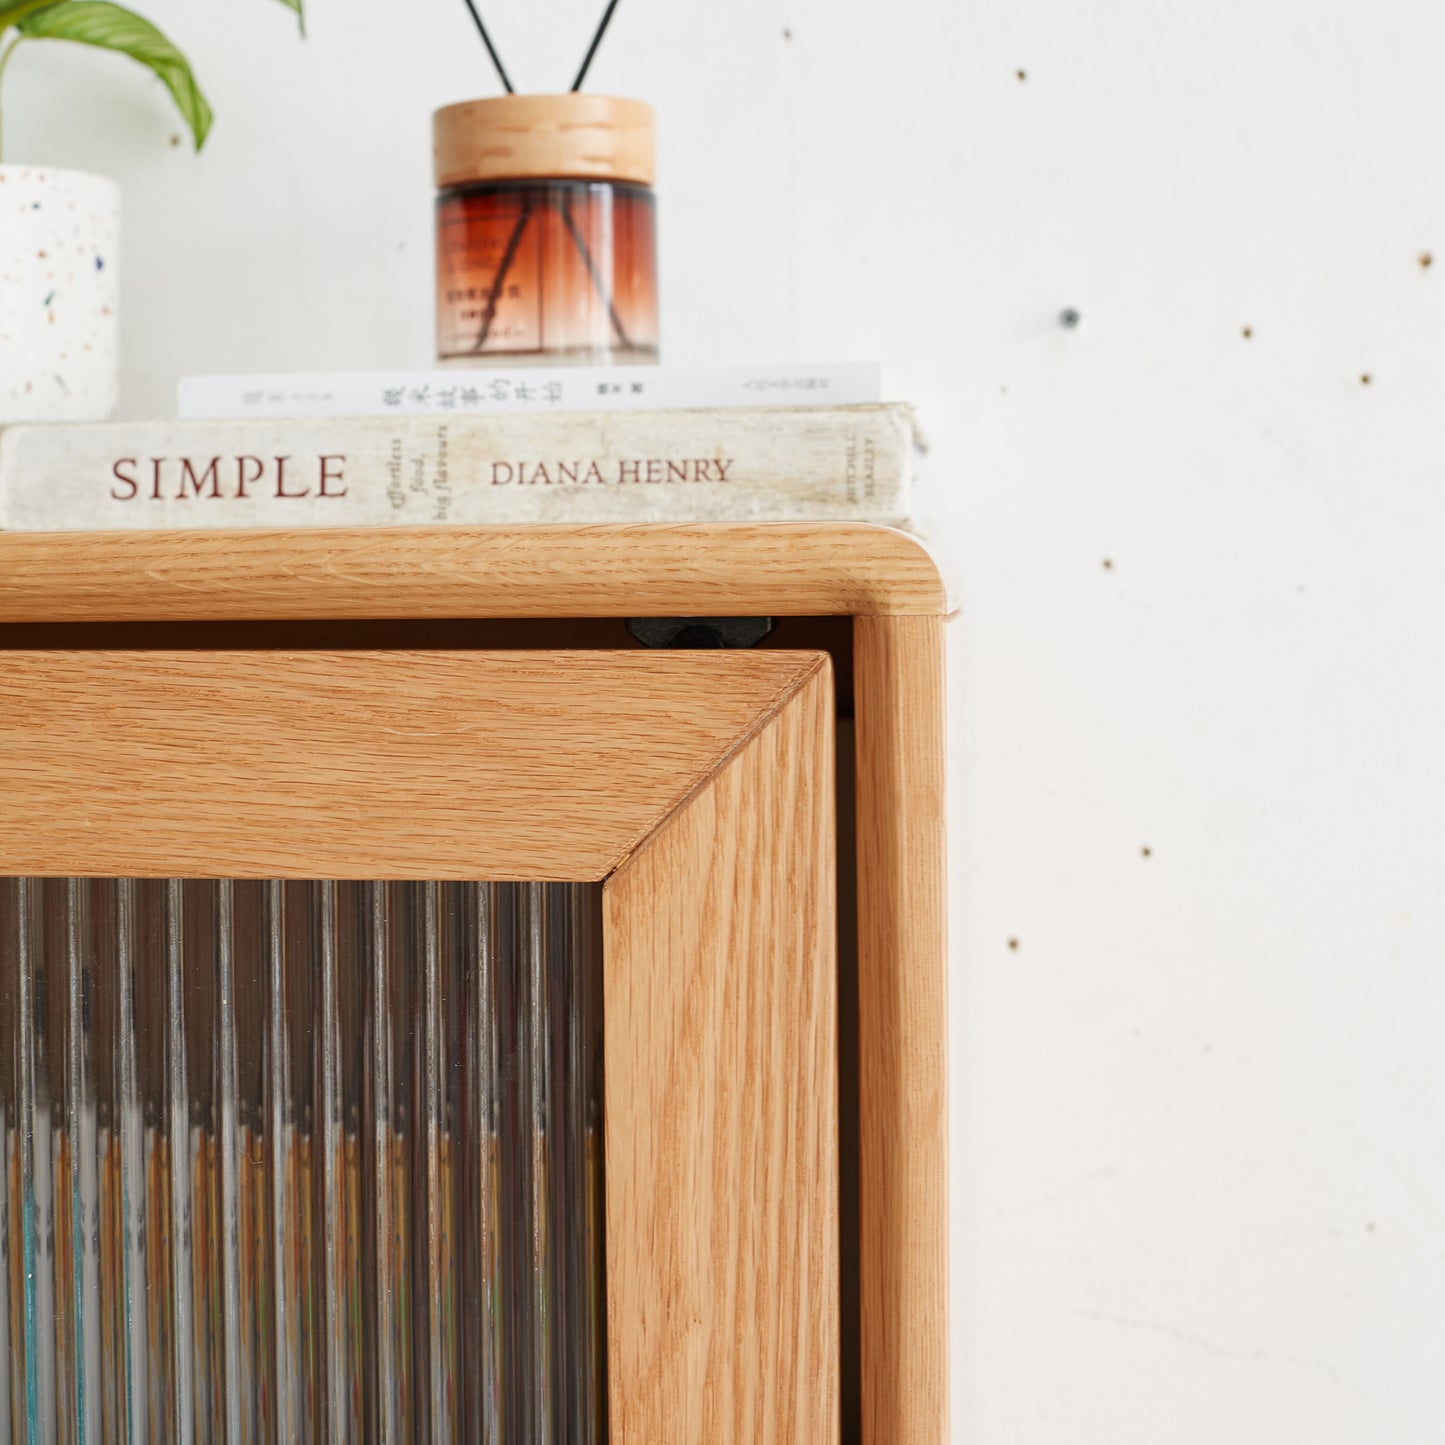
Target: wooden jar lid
{"points": [[517, 137]]}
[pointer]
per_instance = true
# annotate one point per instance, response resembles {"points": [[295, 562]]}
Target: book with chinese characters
{"points": [[729, 465], [455, 392]]}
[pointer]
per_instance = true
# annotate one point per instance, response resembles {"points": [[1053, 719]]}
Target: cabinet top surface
{"points": [[774, 569]]}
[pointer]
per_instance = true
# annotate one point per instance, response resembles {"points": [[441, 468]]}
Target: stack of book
{"points": [[628, 444]]}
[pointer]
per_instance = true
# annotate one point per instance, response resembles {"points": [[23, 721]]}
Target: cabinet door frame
{"points": [[883, 579], [697, 787]]}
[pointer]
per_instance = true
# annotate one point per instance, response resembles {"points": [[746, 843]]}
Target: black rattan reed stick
{"points": [[503, 266], [591, 49], [492, 49], [598, 284]]}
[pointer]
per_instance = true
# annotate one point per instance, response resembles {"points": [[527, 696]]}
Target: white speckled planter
{"points": [[59, 295]]}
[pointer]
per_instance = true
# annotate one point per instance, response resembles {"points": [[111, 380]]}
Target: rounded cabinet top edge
{"points": [[786, 568]]}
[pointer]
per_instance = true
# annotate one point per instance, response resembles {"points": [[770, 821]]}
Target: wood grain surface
{"points": [[722, 1228], [902, 1029], [544, 765], [777, 569], [69, 800]]}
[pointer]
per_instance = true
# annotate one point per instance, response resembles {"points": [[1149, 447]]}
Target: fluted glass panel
{"points": [[300, 1160]]}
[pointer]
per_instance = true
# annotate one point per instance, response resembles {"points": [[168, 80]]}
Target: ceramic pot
{"points": [[59, 295]]}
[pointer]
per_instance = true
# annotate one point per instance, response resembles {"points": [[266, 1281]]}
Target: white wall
{"points": [[1199, 1160]]}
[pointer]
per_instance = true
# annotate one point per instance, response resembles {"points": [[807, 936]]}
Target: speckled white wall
{"points": [[1199, 970]]}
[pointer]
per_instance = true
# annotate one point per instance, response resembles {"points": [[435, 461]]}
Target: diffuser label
{"points": [[487, 292]]}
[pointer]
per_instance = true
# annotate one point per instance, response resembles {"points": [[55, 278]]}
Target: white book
{"points": [[536, 390], [755, 464]]}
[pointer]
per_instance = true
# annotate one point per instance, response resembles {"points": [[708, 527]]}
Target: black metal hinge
{"points": [[699, 631]]}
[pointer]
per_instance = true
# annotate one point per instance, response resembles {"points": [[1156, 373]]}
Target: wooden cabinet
{"points": [[457, 706]]}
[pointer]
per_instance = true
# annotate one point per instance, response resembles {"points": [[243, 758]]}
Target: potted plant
{"points": [[60, 229]]}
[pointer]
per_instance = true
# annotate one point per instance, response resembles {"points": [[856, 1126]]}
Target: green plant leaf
{"points": [[111, 27], [300, 13], [12, 12]]}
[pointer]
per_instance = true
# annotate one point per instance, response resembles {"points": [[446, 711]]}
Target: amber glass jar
{"points": [[546, 231]]}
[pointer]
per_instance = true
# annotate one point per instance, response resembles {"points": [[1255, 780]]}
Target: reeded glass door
{"points": [[300, 1160], [325, 1115]]}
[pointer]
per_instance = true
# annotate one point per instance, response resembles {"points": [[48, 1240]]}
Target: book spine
{"points": [[814, 464], [539, 391]]}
